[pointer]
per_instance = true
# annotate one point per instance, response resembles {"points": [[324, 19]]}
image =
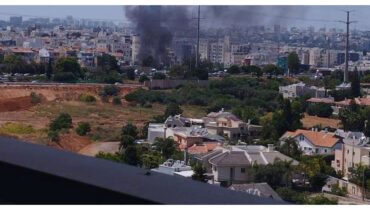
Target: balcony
{"points": [[36, 174]]}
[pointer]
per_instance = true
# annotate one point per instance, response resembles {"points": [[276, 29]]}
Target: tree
{"points": [[14, 64], [151, 159], [199, 173], [290, 195], [321, 199], [167, 147], [277, 174], [67, 69], [293, 62], [270, 69], [126, 140], [159, 76], [360, 175], [131, 156], [234, 69], [130, 129], [53, 135], [290, 148], [251, 69], [106, 71], [351, 120], [172, 109], [63, 121], [116, 157], [107, 63], [111, 90], [246, 113], [83, 128], [143, 78], [355, 84], [117, 100], [130, 73], [336, 190], [49, 70], [320, 110], [256, 71], [179, 71]]}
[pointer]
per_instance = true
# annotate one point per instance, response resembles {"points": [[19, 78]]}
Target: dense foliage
{"points": [[83, 128], [63, 121]]}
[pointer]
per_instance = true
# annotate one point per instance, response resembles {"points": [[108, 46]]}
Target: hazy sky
{"points": [[312, 16]]}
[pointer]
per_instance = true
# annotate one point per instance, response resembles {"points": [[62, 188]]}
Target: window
{"points": [[325, 150], [347, 151], [214, 168], [242, 170], [301, 138]]}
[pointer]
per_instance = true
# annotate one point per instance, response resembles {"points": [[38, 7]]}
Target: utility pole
{"points": [[345, 80], [197, 54], [328, 51]]}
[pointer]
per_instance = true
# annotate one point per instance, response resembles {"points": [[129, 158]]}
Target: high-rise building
{"points": [[15, 20]]}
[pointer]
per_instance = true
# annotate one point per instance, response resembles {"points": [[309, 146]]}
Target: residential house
{"points": [[225, 124], [354, 150], [27, 54], [187, 137], [159, 129], [352, 189], [174, 167], [232, 164], [301, 89], [312, 142]]}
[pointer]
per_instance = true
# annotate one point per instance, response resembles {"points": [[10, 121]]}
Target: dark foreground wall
{"points": [[35, 174]]}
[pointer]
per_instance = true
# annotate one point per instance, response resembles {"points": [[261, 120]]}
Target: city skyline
{"points": [[299, 16]]}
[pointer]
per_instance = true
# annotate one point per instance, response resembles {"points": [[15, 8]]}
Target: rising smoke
{"points": [[157, 25]]}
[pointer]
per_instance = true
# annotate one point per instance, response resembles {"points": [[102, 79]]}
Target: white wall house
{"points": [[312, 142]]}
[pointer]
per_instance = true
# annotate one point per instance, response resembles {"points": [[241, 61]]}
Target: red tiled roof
{"points": [[318, 138], [21, 50], [203, 148], [321, 100]]}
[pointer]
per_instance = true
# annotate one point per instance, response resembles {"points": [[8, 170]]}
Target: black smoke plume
{"points": [[157, 25]]}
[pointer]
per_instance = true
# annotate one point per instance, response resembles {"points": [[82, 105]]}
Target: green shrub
{"points": [[104, 97], [143, 78], [117, 157], [320, 110], [36, 99], [147, 105], [336, 190], [87, 98], [111, 90], [64, 121], [17, 128], [53, 135], [83, 128], [117, 100], [322, 200]]}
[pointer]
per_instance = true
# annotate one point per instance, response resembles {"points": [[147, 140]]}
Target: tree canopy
{"points": [[293, 62]]}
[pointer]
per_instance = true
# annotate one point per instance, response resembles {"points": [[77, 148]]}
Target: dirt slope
{"points": [[71, 142], [15, 104]]}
